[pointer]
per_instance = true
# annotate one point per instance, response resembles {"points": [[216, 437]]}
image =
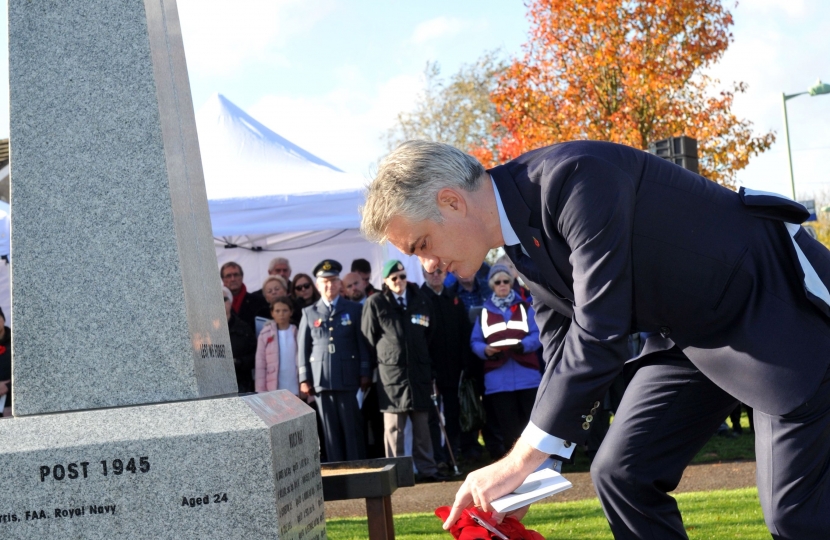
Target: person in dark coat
{"points": [[5, 365], [610, 240], [245, 305], [398, 323], [450, 354], [333, 362], [243, 345]]}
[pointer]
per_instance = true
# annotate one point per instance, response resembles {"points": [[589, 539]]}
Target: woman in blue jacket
{"points": [[506, 337]]}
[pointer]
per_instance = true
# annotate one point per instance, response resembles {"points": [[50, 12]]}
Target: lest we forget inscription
{"points": [[127, 419]]}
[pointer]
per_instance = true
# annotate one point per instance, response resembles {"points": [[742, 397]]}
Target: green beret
{"points": [[391, 267]]}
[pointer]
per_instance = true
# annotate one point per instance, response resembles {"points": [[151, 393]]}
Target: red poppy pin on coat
{"points": [[536, 242]]}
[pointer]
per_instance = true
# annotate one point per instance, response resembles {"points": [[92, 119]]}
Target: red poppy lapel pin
{"points": [[536, 242], [317, 323]]}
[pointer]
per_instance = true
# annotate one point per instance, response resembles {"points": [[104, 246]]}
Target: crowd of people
{"points": [[372, 361]]}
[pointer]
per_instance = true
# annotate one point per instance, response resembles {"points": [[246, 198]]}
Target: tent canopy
{"points": [[259, 183], [270, 198]]}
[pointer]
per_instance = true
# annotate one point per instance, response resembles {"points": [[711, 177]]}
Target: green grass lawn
{"points": [[734, 514]]}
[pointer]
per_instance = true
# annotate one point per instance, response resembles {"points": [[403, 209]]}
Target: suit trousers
{"points": [[669, 411], [342, 425], [393, 435]]}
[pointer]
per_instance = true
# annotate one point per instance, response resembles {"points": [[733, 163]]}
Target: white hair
{"points": [[278, 279], [408, 182], [279, 260]]}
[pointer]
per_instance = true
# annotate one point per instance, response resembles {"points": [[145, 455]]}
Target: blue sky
{"points": [[331, 75]]}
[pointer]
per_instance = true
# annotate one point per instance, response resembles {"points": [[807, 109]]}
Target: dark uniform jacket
{"points": [[332, 354], [449, 347], [620, 241], [400, 338], [243, 349]]}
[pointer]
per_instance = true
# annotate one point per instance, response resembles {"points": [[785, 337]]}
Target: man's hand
{"points": [[365, 383], [306, 388], [4, 387], [487, 484]]}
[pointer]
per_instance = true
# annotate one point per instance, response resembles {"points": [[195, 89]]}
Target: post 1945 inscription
{"points": [[117, 467]]}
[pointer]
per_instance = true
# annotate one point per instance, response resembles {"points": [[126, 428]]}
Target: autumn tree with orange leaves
{"points": [[627, 71]]}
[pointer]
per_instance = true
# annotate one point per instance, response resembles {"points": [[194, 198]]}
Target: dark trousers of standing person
{"points": [[512, 410], [394, 425], [735, 418], [373, 425], [448, 399], [342, 425], [669, 411], [320, 434]]}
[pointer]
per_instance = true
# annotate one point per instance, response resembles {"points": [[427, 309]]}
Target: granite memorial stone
{"points": [[120, 332], [114, 274]]}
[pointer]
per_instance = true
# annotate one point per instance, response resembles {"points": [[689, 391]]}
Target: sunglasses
{"points": [[502, 282], [302, 287], [401, 277]]}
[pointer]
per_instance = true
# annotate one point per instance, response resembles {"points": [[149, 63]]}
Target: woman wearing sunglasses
{"points": [[506, 337], [304, 293]]}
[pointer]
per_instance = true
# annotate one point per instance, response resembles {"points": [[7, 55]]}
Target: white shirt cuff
{"points": [[547, 443]]}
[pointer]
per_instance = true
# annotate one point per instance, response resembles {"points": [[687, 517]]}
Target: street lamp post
{"points": [[815, 90]]}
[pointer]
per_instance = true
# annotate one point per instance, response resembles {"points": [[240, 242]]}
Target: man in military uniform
{"points": [[333, 361]]}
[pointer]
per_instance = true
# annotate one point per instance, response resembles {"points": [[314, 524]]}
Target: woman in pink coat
{"points": [[276, 352]]}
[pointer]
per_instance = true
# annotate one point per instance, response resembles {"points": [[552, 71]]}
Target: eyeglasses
{"points": [[234, 274], [401, 277], [227, 299], [436, 272], [302, 286], [502, 282]]}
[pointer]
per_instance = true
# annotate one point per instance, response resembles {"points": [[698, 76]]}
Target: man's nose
{"points": [[429, 263]]}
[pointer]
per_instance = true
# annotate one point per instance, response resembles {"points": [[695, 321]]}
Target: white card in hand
{"points": [[536, 486]]}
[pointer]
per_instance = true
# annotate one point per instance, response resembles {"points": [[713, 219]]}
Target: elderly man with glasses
{"points": [[399, 324]]}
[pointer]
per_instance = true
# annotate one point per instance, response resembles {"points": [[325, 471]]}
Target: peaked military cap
{"points": [[328, 268]]}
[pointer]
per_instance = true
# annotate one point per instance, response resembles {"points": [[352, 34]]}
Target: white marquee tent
{"points": [[270, 198]]}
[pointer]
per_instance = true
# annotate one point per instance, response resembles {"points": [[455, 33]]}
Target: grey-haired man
{"points": [[611, 240]]}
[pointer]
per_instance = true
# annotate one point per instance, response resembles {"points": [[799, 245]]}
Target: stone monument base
{"points": [[196, 469]]}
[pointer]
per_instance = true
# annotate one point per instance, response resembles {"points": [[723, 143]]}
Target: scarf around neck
{"points": [[504, 303], [238, 298]]}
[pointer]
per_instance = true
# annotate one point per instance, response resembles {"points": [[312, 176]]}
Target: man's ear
{"points": [[451, 200]]}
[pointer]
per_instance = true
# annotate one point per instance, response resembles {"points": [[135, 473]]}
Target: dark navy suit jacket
{"points": [[628, 242]]}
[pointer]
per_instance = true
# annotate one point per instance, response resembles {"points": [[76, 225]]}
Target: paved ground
{"points": [[427, 497]]}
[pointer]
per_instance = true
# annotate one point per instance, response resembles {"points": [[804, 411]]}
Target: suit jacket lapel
{"points": [[532, 239]]}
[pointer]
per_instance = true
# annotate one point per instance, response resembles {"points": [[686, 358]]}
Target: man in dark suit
{"points": [[333, 361], [611, 241]]}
